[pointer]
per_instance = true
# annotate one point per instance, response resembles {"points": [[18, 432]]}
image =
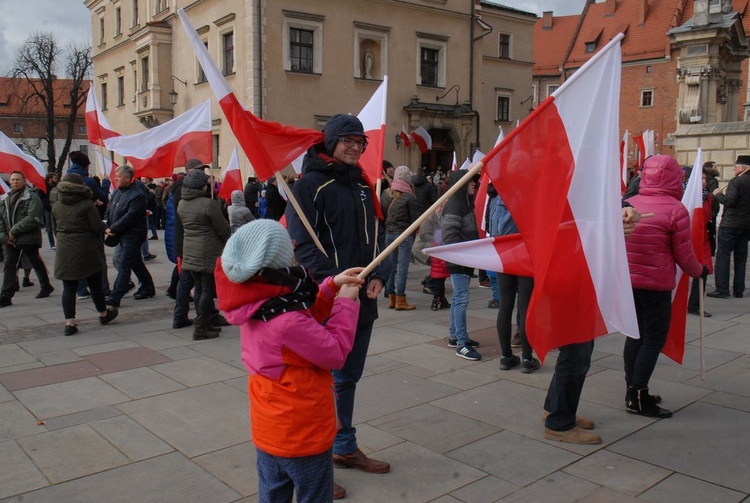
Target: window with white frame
{"points": [[118, 21], [201, 75], [144, 74], [647, 98], [104, 95], [227, 52], [136, 20], [503, 108], [82, 129], [534, 97], [551, 89], [303, 42], [504, 46], [84, 149], [120, 90], [431, 54], [101, 30]]}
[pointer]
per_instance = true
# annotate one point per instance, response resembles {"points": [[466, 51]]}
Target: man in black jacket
{"points": [[339, 201], [734, 231]]}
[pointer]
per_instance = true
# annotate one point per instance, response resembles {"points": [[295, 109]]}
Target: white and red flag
{"points": [[107, 167], [269, 146], [372, 118], [405, 137], [481, 199], [692, 199], [13, 159], [641, 155], [4, 189], [231, 177], [97, 126], [624, 161], [550, 166], [422, 138], [454, 166], [507, 254], [649, 143], [158, 151]]}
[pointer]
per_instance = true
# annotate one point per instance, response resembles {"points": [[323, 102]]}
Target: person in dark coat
{"points": [[50, 180], [275, 204], [80, 249], [252, 195], [425, 192]]}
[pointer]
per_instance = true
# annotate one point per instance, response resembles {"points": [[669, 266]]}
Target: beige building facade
{"points": [[458, 68]]}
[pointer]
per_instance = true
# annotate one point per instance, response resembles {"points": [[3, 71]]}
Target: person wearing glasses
{"points": [[339, 201]]}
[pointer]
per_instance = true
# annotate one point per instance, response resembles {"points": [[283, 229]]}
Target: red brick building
{"points": [[649, 89]]}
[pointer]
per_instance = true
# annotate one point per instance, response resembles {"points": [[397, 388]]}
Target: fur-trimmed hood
{"points": [[71, 193]]}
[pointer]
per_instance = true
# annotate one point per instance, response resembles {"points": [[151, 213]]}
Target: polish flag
{"points": [[550, 165], [624, 160], [454, 166], [481, 199], [507, 254], [4, 189], [97, 127], [107, 167], [405, 137], [13, 159], [158, 151], [372, 118], [674, 348], [649, 143], [466, 165], [231, 178], [422, 138], [638, 139], [269, 146]]}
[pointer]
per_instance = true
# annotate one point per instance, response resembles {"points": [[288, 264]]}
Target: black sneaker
{"points": [[515, 342], [493, 304], [45, 292], [718, 295], [468, 353], [529, 366], [71, 329], [507, 363], [452, 343], [111, 315]]}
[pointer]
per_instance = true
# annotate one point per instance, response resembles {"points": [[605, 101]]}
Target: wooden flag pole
{"points": [[424, 216], [702, 337], [300, 213]]}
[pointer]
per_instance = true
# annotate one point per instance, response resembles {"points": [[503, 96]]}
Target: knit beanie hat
{"points": [[195, 179], [341, 125], [258, 244], [403, 173]]}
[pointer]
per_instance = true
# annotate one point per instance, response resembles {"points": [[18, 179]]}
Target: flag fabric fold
{"points": [[372, 117], [405, 137], [231, 177], [107, 167], [97, 126], [692, 199], [506, 254], [13, 159], [269, 146], [158, 151], [481, 199], [422, 138], [624, 161]]}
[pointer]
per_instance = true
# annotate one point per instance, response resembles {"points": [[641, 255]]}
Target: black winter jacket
{"points": [[736, 202], [459, 222], [126, 214], [425, 191]]}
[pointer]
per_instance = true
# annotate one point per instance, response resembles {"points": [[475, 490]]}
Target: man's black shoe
{"points": [[218, 320], [428, 291], [148, 257], [695, 312], [737, 295], [45, 291], [113, 302], [187, 322], [5, 302], [718, 295], [143, 295]]}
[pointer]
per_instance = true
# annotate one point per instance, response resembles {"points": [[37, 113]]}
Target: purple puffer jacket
{"points": [[660, 241]]}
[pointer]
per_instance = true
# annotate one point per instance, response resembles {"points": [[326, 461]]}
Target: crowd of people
{"points": [[306, 316]]}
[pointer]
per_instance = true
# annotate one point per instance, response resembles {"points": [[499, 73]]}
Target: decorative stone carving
{"points": [[368, 64]]}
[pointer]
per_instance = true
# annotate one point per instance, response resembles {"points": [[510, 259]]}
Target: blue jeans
{"points": [[129, 259], [182, 296], [279, 477], [346, 380], [493, 283], [396, 282], [459, 304], [566, 385], [731, 240]]}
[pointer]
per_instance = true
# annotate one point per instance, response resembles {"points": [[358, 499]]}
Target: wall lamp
{"points": [[398, 141], [173, 94]]}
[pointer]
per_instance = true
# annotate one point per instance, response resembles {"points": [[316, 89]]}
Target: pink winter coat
{"points": [[664, 239]]}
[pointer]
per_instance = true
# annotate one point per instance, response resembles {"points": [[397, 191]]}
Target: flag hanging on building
{"points": [[372, 117], [158, 151], [405, 137], [231, 177], [422, 138], [97, 126], [692, 199], [269, 146], [13, 159]]}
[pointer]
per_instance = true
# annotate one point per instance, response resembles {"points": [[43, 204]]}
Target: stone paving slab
{"points": [[681, 489], [48, 375], [68, 397], [142, 382], [17, 422], [618, 472], [19, 474], [126, 359]]}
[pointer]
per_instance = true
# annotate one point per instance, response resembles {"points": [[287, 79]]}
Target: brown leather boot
{"points": [[402, 305], [391, 300], [357, 459]]}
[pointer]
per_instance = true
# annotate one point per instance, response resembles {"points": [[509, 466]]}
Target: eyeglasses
{"points": [[349, 143]]}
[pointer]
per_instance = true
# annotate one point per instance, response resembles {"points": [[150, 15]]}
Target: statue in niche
{"points": [[368, 64]]}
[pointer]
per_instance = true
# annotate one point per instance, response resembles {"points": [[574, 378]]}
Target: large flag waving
{"points": [[97, 126], [674, 348], [231, 177], [158, 151], [372, 117], [269, 146], [560, 181], [13, 159]]}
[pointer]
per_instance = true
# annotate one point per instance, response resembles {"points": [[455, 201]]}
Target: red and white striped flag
{"points": [[454, 166], [550, 165], [507, 254], [481, 199], [13, 159], [692, 199], [158, 151], [372, 118], [231, 177], [108, 168], [269, 146], [97, 126], [405, 137], [422, 138], [624, 161]]}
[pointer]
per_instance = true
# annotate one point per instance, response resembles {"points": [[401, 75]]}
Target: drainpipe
{"points": [[259, 78]]}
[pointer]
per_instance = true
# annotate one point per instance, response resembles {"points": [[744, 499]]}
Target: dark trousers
{"points": [[346, 380], [731, 241], [508, 285], [310, 476], [70, 288], [10, 267], [654, 312], [205, 292], [49, 227], [130, 260], [438, 287], [694, 304], [185, 283], [564, 393]]}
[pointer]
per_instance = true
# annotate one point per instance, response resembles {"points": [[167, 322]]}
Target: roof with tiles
{"points": [[11, 103], [551, 42]]}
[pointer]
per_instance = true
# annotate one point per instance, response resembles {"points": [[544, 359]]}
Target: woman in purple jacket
{"points": [[656, 245]]}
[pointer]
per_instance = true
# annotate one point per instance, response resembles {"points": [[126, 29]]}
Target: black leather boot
{"points": [[638, 401]]}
